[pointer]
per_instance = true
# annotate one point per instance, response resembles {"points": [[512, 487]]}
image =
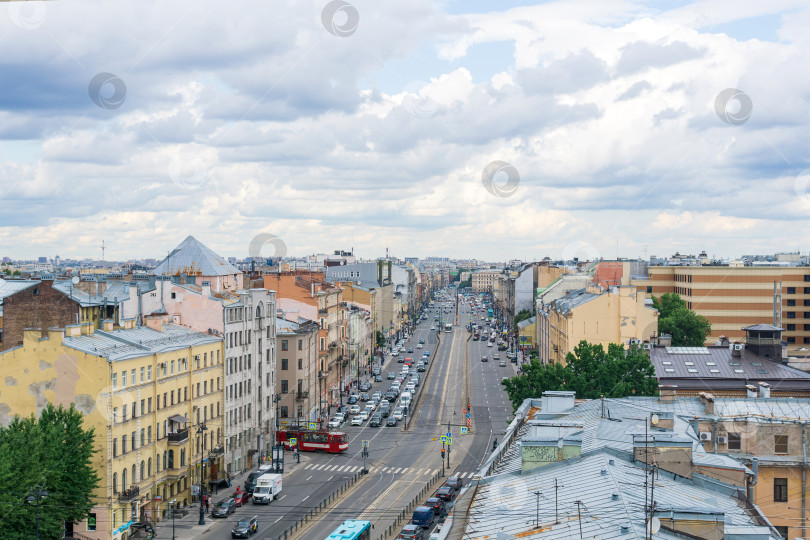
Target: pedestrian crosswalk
{"points": [[381, 470]]}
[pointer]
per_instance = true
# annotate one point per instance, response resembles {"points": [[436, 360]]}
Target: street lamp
{"points": [[35, 496], [201, 432], [275, 433], [171, 504]]}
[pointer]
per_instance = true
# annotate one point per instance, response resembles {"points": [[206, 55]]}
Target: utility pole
{"points": [[556, 505], [579, 517]]}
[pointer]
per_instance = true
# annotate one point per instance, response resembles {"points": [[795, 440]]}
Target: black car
{"points": [[438, 505], [376, 420], [224, 508], [410, 349], [454, 482], [422, 341], [391, 421], [391, 396], [364, 396], [445, 493], [377, 378], [385, 411], [352, 400], [365, 387], [377, 371], [343, 409], [245, 527]]}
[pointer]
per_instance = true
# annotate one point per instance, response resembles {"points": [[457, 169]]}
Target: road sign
{"points": [[365, 444], [293, 441], [444, 438], [449, 440], [463, 430], [448, 434], [313, 425], [468, 415]]}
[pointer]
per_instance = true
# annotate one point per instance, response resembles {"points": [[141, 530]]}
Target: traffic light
{"points": [[442, 453]]}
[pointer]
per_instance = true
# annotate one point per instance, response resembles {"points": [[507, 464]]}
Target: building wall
{"points": [[64, 376], [735, 297], [609, 318], [524, 291], [300, 399], [39, 306]]}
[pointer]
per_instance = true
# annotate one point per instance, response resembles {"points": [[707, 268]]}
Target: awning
{"points": [[179, 419]]}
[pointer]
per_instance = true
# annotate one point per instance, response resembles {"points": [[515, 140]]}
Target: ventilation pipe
{"points": [[753, 481]]}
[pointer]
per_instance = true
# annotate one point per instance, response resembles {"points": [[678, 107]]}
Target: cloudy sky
{"points": [[465, 128]]}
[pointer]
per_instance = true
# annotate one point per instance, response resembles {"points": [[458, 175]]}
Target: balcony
{"points": [[301, 396], [178, 437], [128, 494], [217, 451]]}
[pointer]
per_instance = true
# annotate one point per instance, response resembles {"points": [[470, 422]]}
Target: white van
{"points": [[405, 399]]}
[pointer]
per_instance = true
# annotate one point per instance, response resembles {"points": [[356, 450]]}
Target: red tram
{"points": [[333, 442]]}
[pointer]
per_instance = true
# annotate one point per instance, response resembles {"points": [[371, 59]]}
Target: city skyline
{"points": [[469, 129]]}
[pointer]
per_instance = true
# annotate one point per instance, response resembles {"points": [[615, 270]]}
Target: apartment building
{"points": [[311, 297], [153, 394], [593, 314], [732, 298], [297, 382], [484, 280]]}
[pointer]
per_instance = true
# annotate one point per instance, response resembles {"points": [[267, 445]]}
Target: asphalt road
{"points": [[400, 461]]}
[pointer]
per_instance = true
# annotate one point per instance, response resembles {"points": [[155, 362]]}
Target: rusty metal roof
{"points": [[193, 258]]}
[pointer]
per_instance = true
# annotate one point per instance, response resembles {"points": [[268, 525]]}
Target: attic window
{"points": [[734, 363], [689, 363], [756, 364], [714, 371], [710, 364], [669, 370], [762, 371], [36, 291], [692, 370], [667, 363], [174, 295], [739, 371]]}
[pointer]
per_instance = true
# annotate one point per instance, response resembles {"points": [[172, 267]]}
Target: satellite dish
{"points": [[75, 280], [654, 419], [654, 525]]}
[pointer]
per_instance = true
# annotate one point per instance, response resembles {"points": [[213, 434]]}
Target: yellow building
{"points": [[149, 392], [596, 316]]}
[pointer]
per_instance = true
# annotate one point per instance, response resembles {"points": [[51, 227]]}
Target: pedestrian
{"points": [[207, 504], [229, 479]]}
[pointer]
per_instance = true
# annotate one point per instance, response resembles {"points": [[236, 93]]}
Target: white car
{"points": [[354, 409], [489, 344], [433, 328], [357, 420], [335, 422], [420, 346], [364, 414], [398, 414]]}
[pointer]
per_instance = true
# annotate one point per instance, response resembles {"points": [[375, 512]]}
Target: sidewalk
{"points": [[188, 526]]}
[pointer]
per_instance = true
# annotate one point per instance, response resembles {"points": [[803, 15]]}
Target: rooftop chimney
{"points": [[707, 400], [665, 340], [764, 390], [667, 392], [751, 391]]}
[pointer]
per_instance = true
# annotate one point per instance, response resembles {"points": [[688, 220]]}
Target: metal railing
{"points": [[130, 493], [178, 436]]}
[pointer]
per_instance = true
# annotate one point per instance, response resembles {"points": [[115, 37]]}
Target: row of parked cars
{"points": [[435, 508]]}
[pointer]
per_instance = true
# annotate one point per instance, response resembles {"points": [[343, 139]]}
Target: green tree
{"points": [[687, 328], [55, 452], [522, 315], [591, 372], [16, 273], [380, 339]]}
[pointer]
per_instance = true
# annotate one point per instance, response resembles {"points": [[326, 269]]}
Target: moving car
{"points": [[454, 482], [398, 414], [242, 497], [224, 508], [411, 532], [391, 375], [391, 421], [376, 420], [354, 409], [439, 506], [357, 420], [420, 346], [502, 364], [245, 527], [446, 493], [423, 516], [484, 359], [364, 396]]}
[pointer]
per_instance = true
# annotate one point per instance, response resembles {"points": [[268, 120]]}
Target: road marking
{"points": [[276, 521], [308, 479], [282, 496], [354, 469], [398, 470], [330, 478], [305, 498]]}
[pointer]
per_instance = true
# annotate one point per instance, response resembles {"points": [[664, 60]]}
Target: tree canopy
{"points": [[687, 328], [591, 372], [522, 315], [53, 453]]}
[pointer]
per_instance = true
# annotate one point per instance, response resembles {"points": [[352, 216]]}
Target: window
{"points": [[780, 444], [284, 388], [322, 344], [790, 339], [300, 344], [284, 364], [134, 440], [149, 405], [115, 482], [284, 412], [123, 380], [114, 380], [791, 302], [734, 441], [791, 290], [780, 490], [782, 530], [791, 327], [124, 416], [300, 363], [124, 444], [142, 375], [284, 346], [115, 447], [791, 314], [148, 373]]}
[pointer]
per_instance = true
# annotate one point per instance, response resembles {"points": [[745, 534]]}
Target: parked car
{"points": [[365, 387], [412, 532], [245, 527], [224, 508], [377, 370]]}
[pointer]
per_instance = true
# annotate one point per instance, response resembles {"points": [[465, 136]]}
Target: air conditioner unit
{"points": [[738, 346], [705, 436], [722, 440], [648, 346], [635, 341], [196, 356]]}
